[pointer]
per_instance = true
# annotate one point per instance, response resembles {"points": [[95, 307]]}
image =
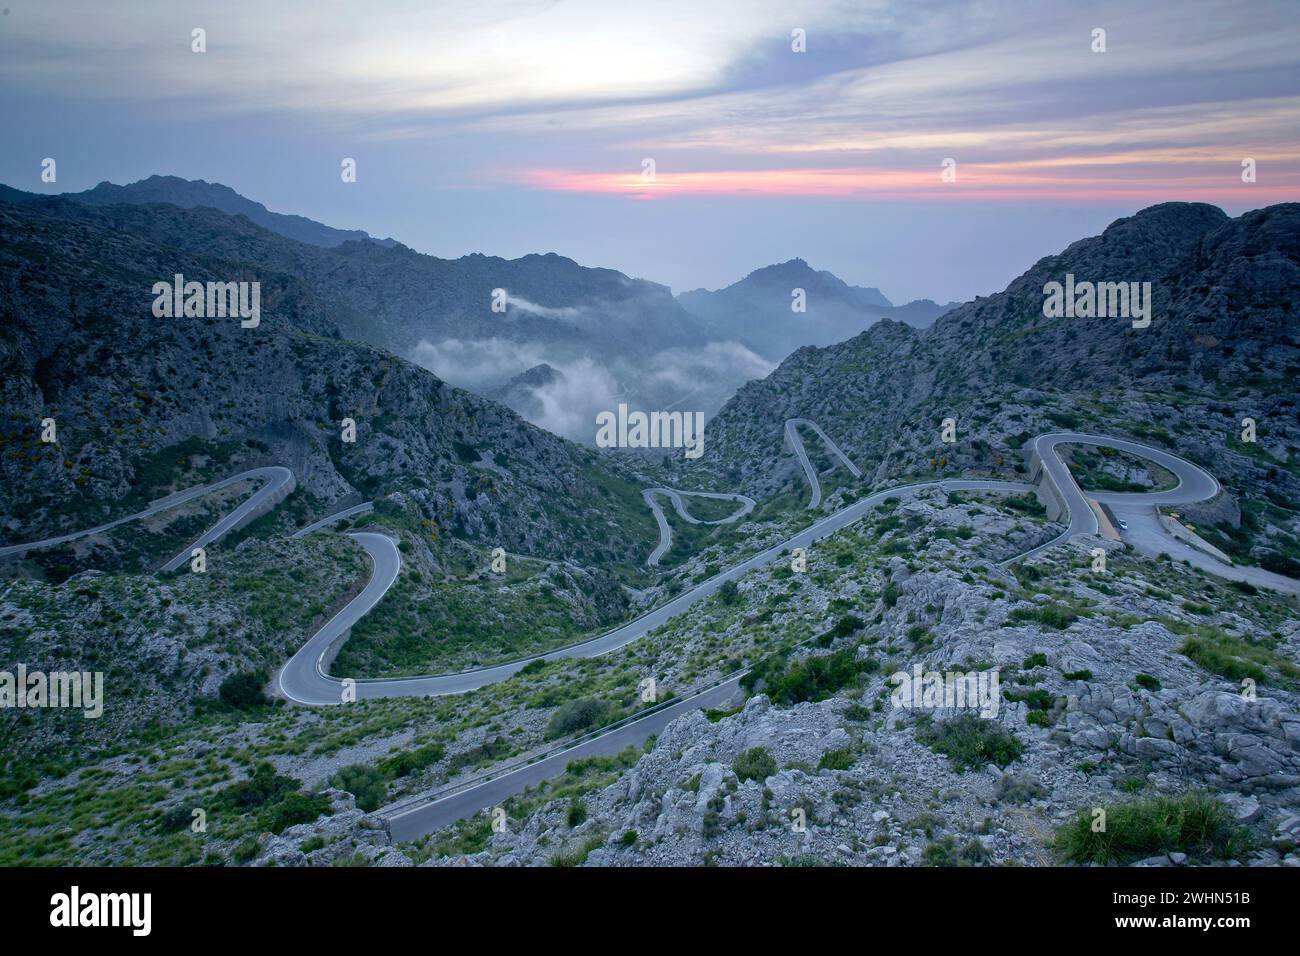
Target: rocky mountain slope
{"points": [[524, 391], [188, 193], [80, 345], [614, 337], [1223, 344], [1119, 691], [476, 321]]}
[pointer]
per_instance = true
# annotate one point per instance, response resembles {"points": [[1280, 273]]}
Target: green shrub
{"points": [[465, 452], [754, 764], [411, 761], [578, 715], [1147, 681], [1026, 503], [176, 819], [275, 798], [577, 813], [841, 759], [714, 714], [1078, 675], [728, 593], [243, 690], [486, 752], [629, 838], [1011, 788], [1035, 698], [366, 784], [295, 808], [246, 850], [1280, 564], [843, 627], [971, 742], [944, 852], [577, 857], [265, 786], [811, 679], [847, 624], [1056, 616], [1132, 784], [1194, 823], [16, 778], [1234, 658]]}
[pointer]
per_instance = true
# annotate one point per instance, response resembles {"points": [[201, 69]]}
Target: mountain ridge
{"points": [[188, 193]]}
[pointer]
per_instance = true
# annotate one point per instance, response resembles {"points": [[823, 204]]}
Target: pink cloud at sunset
{"points": [[1060, 180]]}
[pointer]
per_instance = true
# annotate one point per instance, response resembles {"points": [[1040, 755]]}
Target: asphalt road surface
{"points": [[361, 509], [302, 680], [792, 433], [651, 495], [413, 819], [279, 482], [1145, 533]]}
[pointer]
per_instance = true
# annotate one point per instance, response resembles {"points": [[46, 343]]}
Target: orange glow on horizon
{"points": [[975, 181]]}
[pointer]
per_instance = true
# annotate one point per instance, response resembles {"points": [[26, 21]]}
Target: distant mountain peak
{"points": [[791, 267], [538, 376], [756, 310]]}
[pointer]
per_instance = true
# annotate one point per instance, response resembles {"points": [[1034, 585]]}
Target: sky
{"points": [[517, 127]]}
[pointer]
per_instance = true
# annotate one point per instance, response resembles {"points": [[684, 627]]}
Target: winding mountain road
{"points": [[279, 483], [414, 818], [747, 504], [361, 509], [1143, 528], [796, 442], [304, 677]]}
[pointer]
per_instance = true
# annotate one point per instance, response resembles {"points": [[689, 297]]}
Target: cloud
{"points": [[685, 369], [691, 379], [523, 305], [569, 404], [886, 89], [1138, 176], [399, 57], [477, 364]]}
